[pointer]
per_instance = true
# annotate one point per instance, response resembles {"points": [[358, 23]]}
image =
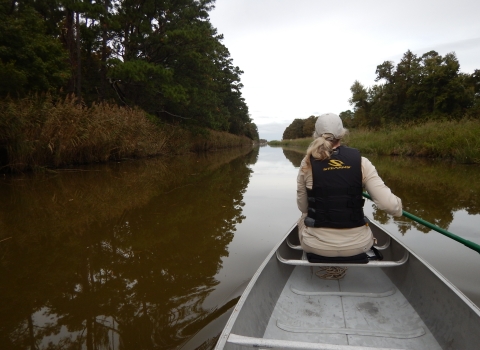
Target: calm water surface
{"points": [[154, 254]]}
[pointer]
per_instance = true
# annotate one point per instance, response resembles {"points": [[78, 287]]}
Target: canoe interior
{"points": [[405, 307]]}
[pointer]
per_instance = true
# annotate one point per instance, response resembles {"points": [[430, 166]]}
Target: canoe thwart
{"points": [[372, 263], [289, 344], [299, 247]]}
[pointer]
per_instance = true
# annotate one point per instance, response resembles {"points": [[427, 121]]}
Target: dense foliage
{"points": [[417, 89], [163, 56], [300, 128]]}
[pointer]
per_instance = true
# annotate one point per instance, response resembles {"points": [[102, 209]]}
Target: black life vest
{"points": [[335, 199]]}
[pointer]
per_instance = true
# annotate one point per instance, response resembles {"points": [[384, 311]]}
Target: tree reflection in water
{"points": [[295, 156], [431, 189], [118, 256]]}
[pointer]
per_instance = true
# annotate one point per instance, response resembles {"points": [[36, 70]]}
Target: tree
{"points": [[473, 85], [360, 103], [162, 56], [252, 131], [423, 87], [381, 102], [309, 126], [385, 71], [30, 60], [407, 79], [442, 90], [347, 118], [171, 62], [294, 130]]}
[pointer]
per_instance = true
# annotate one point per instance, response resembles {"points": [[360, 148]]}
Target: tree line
{"points": [[418, 88], [427, 87], [162, 56]]}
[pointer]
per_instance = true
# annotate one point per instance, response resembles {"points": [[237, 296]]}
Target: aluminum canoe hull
{"points": [[262, 317]]}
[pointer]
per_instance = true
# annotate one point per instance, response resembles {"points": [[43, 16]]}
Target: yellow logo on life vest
{"points": [[336, 164]]}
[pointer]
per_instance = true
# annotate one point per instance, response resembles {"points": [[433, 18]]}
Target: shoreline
{"points": [[455, 140]]}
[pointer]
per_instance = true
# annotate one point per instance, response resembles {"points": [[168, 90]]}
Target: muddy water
{"points": [[152, 254]]}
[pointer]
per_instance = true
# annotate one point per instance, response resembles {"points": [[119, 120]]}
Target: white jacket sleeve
{"points": [[304, 180], [382, 195]]}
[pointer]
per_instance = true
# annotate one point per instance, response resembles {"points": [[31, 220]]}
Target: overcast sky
{"points": [[300, 57]]}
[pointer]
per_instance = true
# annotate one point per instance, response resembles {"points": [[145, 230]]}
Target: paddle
{"points": [[465, 242]]}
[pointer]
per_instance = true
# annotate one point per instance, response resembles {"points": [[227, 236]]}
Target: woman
{"points": [[329, 194]]}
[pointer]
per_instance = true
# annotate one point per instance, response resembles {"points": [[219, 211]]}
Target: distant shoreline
{"points": [[456, 140]]}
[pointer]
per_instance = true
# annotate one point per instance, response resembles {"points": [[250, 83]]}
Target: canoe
{"points": [[400, 302]]}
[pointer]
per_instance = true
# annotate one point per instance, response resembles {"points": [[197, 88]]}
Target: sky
{"points": [[301, 57]]}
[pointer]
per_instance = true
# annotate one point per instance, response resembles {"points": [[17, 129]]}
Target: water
{"points": [[154, 253]]}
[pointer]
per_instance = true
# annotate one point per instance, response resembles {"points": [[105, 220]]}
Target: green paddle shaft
{"points": [[465, 242]]}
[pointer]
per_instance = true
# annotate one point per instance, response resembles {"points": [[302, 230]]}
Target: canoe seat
{"points": [[362, 258], [371, 263]]}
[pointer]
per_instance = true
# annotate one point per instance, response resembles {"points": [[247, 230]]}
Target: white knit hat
{"points": [[329, 123]]}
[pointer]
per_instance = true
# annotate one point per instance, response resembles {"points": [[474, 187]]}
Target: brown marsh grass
{"points": [[41, 131], [211, 140], [300, 143]]}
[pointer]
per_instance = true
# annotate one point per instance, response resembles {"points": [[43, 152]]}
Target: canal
{"points": [[153, 254]]}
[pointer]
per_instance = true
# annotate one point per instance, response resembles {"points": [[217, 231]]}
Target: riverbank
{"points": [[44, 132], [457, 140]]}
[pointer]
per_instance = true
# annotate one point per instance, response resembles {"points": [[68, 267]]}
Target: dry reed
{"points": [[41, 131]]}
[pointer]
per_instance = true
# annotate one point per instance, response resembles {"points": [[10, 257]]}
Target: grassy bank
{"points": [[38, 132], [303, 143], [458, 140], [203, 140]]}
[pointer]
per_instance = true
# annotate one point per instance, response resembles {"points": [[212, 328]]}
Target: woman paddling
{"points": [[330, 183]]}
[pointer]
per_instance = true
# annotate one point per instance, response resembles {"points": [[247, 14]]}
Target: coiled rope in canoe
{"points": [[331, 272]]}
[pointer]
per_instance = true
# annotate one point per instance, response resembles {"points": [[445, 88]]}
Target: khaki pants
{"points": [[361, 248]]}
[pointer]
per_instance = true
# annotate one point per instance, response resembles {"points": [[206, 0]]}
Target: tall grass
{"points": [[204, 140], [301, 143], [41, 131], [458, 140]]}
